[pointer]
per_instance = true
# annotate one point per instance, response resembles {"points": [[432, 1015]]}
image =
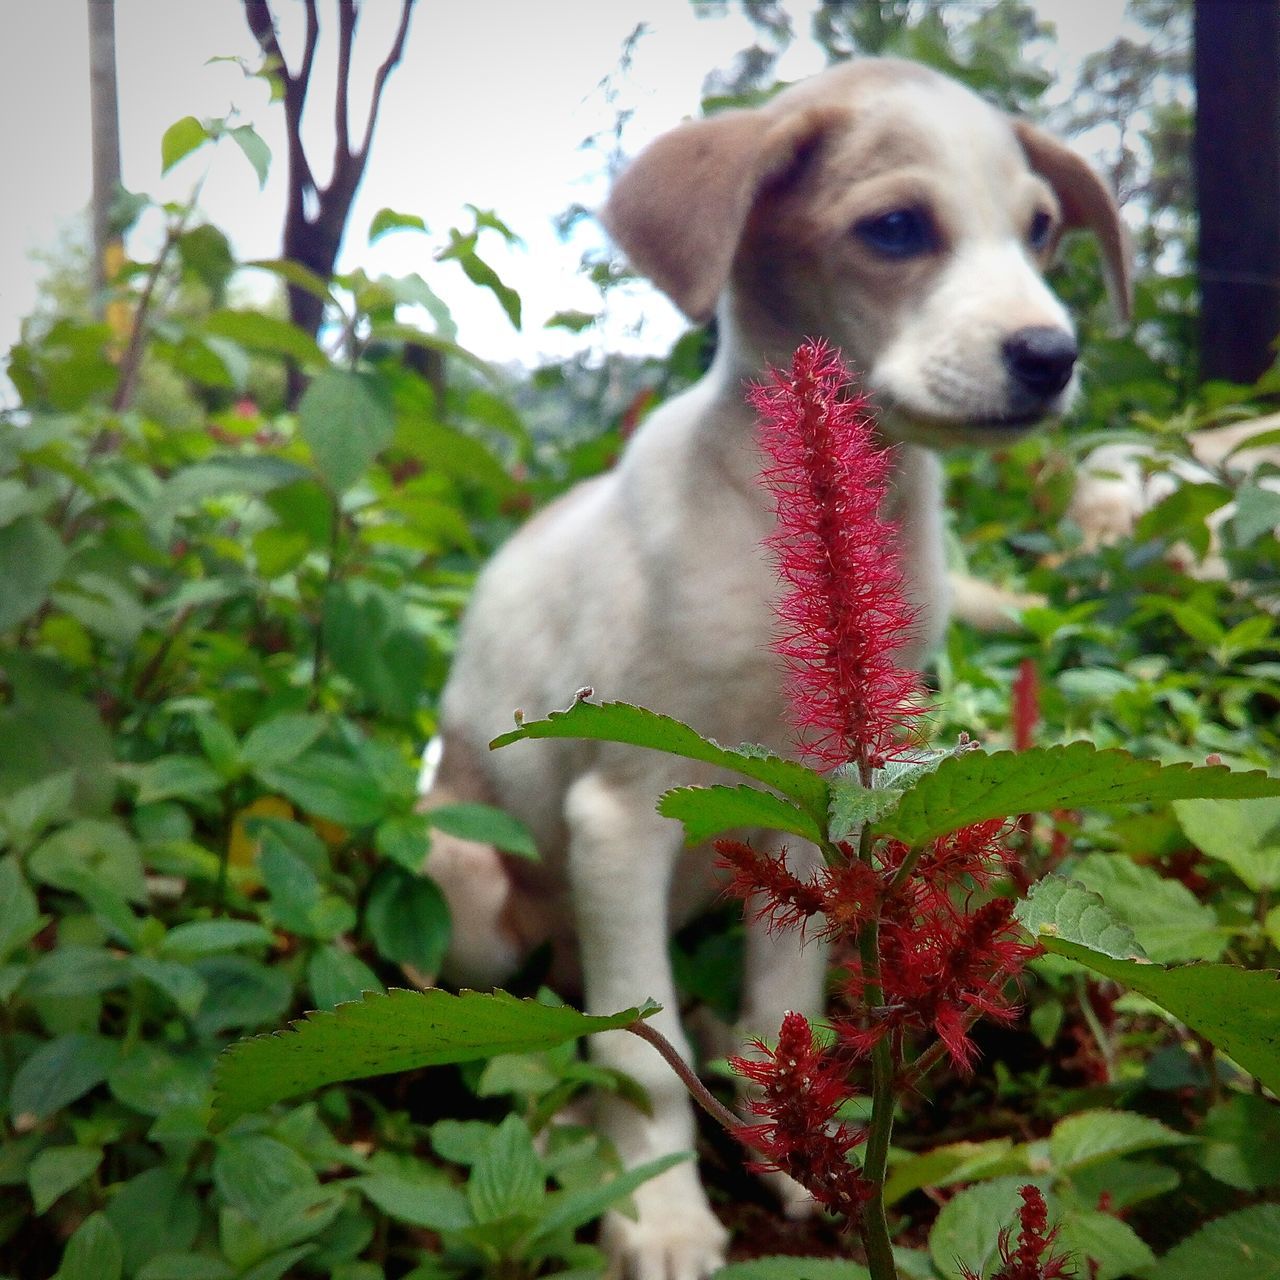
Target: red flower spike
{"points": [[844, 613], [1025, 709], [1032, 1259], [801, 1087], [764, 882]]}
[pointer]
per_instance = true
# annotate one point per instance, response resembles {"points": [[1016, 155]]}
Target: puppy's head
{"points": [[888, 209]]}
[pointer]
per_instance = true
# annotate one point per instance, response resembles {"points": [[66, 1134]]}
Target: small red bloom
{"points": [[801, 1088], [844, 614], [767, 885], [1032, 1259]]}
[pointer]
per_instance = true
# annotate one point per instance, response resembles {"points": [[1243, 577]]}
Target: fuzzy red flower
{"points": [[1032, 1259], [844, 614], [801, 1088]]}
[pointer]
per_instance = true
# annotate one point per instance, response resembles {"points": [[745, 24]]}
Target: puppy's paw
{"points": [[676, 1242]]}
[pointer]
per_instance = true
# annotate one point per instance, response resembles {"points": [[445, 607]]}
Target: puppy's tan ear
{"points": [[1086, 203], [679, 209]]}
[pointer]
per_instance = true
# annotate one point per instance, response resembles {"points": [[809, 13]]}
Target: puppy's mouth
{"points": [[912, 423]]}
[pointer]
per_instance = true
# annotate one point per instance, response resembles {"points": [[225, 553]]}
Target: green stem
{"points": [[330, 580], [875, 1226]]}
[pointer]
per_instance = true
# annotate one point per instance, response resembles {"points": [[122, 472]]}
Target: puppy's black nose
{"points": [[1040, 359]]}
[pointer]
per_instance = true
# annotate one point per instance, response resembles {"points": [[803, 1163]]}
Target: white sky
{"points": [[490, 106]]}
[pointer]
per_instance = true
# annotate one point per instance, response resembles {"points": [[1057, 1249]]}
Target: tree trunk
{"points": [[105, 124], [1237, 171]]}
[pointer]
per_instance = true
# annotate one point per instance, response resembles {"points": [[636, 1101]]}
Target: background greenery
{"points": [[223, 628]]}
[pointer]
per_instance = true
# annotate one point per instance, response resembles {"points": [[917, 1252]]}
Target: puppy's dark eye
{"points": [[1040, 231], [901, 233]]}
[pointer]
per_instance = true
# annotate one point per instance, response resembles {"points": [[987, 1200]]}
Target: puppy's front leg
{"points": [[621, 857]]}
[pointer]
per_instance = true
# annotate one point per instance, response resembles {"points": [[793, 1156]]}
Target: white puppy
{"points": [[889, 210]]}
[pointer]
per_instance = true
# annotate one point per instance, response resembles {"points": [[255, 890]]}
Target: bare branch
{"points": [[393, 58], [308, 53], [258, 15], [347, 15]]}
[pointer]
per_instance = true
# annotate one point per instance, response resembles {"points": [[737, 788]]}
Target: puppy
{"points": [[889, 210]]}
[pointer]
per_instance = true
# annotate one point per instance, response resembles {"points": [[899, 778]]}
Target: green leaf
{"points": [[153, 1081], [1168, 920], [57, 1169], [569, 1210], [30, 809], [976, 786], [208, 937], [485, 825], [955, 1162], [254, 1173], [507, 1179], [346, 418], [296, 274], [186, 1266], [71, 970], [389, 220], [711, 811], [399, 1031], [1237, 1010], [31, 559], [408, 919], [280, 739], [432, 1203], [797, 1268], [1242, 1142], [298, 901], [59, 1072], [853, 805], [622, 722], [369, 639], [336, 976], [1245, 834], [328, 786], [20, 917], [242, 993], [1257, 512], [1092, 1137], [1240, 1246], [176, 777], [1058, 907], [93, 1253], [255, 150], [967, 1227], [181, 984], [154, 1213], [1103, 1239], [90, 851], [180, 139], [257, 331]]}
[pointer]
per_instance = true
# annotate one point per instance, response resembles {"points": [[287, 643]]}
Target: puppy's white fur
{"points": [[649, 583]]}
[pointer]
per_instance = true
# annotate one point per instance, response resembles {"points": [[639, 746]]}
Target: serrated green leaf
{"points": [[57, 1169], [635, 726], [1092, 1137], [346, 418], [1105, 1242], [1245, 834], [1240, 1246], [180, 139], [976, 785], [711, 811], [1237, 1010], [853, 806], [1169, 921], [1062, 908], [398, 1031], [484, 824]]}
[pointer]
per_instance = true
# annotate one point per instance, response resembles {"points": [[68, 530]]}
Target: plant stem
{"points": [[874, 1226], [330, 580], [699, 1091]]}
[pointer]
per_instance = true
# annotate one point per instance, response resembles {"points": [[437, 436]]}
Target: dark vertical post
{"points": [[1237, 170], [105, 124]]}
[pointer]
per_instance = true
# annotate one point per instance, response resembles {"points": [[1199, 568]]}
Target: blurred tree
{"points": [[316, 216], [1237, 168], [105, 125]]}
